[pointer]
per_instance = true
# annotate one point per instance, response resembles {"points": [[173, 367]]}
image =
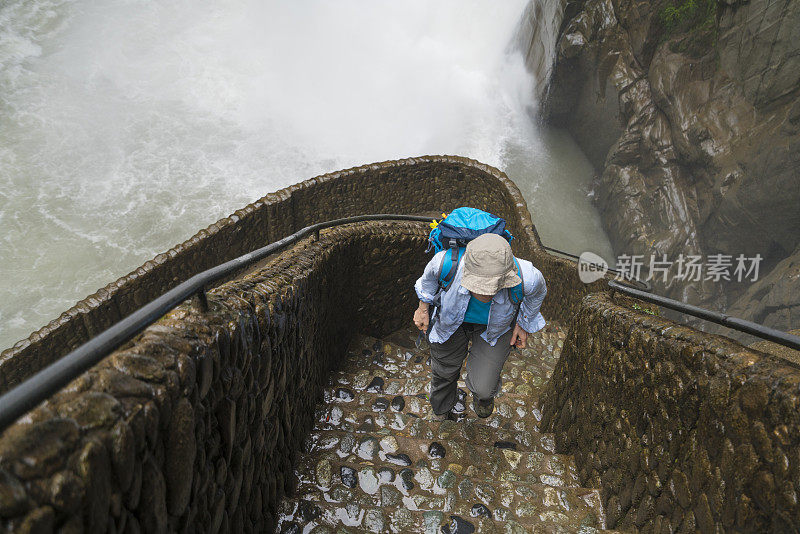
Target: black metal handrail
{"points": [[777, 336], [643, 284], [25, 396]]}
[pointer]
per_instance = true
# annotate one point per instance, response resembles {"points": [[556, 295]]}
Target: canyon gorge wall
{"points": [[690, 112]]}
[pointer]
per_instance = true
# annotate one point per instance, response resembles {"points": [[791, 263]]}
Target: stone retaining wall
{"points": [[417, 185], [192, 426], [683, 431]]}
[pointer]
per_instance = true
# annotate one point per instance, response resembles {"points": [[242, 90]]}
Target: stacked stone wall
{"points": [[193, 426], [430, 184], [682, 430]]}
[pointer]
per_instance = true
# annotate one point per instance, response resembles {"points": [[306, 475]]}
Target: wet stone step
{"points": [[520, 508], [543, 340], [376, 460], [508, 408], [537, 363], [398, 424], [519, 501], [407, 337], [413, 379], [354, 418], [503, 462]]}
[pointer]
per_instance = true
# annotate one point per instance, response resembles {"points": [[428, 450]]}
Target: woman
{"points": [[477, 308]]}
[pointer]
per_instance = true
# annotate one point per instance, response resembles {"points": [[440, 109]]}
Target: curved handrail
{"points": [[25, 396], [643, 293], [777, 336], [644, 285]]}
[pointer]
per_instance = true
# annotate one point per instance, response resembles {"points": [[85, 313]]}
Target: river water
{"points": [[128, 125]]}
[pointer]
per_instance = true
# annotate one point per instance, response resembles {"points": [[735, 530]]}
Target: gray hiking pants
{"points": [[484, 365]]}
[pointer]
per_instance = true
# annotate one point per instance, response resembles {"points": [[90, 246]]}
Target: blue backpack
{"points": [[457, 229]]}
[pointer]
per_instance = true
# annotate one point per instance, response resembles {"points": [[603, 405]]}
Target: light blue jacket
{"points": [[454, 302]]}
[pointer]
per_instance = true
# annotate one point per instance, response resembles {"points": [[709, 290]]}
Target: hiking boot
{"points": [[447, 416], [483, 408]]}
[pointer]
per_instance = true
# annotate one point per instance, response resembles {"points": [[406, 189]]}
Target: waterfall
{"points": [[126, 126], [536, 36]]}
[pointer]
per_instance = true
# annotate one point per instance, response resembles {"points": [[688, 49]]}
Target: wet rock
{"points": [[458, 525], [381, 404], [512, 457], [367, 448], [485, 492], [402, 519], [226, 417], [38, 450], [367, 480], [425, 478], [152, 509], [180, 453], [390, 496], [466, 489], [94, 467], [398, 403], [38, 521], [385, 475], [348, 476], [376, 386], [432, 520], [479, 510], [335, 416], [13, 499], [374, 521], [67, 491], [307, 510], [344, 394], [324, 473], [389, 444], [347, 443], [510, 445], [446, 479], [340, 494], [407, 478], [120, 385], [352, 509], [436, 450], [123, 454], [367, 425], [399, 459]]}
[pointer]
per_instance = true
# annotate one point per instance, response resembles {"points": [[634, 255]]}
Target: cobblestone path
{"points": [[377, 462]]}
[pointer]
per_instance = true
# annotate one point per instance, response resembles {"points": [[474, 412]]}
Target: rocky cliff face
{"points": [[690, 111]]}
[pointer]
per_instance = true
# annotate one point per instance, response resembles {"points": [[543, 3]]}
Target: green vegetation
{"points": [[646, 310], [694, 21], [683, 16]]}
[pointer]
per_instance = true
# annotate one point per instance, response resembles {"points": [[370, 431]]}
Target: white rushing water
{"points": [[128, 125]]}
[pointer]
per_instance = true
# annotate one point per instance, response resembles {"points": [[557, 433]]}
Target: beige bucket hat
{"points": [[489, 265]]}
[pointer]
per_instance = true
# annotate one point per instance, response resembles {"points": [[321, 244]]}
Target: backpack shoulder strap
{"points": [[449, 266], [517, 293]]}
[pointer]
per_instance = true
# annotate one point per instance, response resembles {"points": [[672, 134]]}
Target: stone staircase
{"points": [[377, 462]]}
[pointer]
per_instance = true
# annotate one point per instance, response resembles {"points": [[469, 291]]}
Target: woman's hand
{"points": [[519, 338], [421, 317]]}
